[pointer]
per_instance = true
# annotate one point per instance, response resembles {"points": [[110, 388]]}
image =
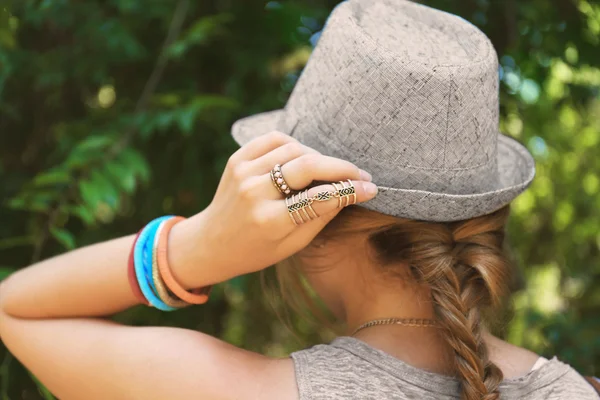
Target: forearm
{"points": [[92, 281]]}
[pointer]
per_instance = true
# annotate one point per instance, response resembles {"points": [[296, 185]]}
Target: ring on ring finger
{"points": [[279, 181]]}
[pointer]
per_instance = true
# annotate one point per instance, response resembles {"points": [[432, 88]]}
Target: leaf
{"points": [[202, 103], [16, 241], [186, 119], [134, 160], [124, 176], [83, 213], [239, 283], [198, 33], [16, 203], [95, 143], [5, 375], [63, 236], [107, 190], [7, 40], [187, 116], [52, 177], [164, 119], [5, 272], [166, 100], [33, 201], [88, 150], [45, 393], [90, 194]]}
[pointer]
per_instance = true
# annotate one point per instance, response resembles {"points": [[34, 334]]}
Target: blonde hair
{"points": [[464, 265]]}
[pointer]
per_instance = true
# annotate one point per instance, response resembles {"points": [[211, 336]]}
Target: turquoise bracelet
{"points": [[147, 253], [143, 264]]}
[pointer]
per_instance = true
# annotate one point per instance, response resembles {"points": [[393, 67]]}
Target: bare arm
{"points": [[91, 281], [95, 359], [48, 311]]}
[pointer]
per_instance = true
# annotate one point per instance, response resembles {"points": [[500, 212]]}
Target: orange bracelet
{"points": [[165, 271], [161, 290]]}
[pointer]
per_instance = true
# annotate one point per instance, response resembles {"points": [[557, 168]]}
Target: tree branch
{"points": [[157, 73], [149, 88]]}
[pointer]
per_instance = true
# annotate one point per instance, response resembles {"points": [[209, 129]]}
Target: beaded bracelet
{"points": [[165, 270], [133, 283], [142, 271]]}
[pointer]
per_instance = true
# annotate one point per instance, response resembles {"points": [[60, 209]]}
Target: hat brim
{"points": [[516, 169]]}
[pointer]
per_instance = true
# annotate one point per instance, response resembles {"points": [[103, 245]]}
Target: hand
{"points": [[247, 228]]}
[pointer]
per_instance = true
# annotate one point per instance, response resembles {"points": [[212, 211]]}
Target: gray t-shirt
{"points": [[351, 369]]}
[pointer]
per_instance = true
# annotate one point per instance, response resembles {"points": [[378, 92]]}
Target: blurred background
{"points": [[115, 111]]}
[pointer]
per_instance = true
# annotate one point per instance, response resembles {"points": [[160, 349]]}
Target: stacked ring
{"points": [[279, 181], [298, 204], [345, 193]]}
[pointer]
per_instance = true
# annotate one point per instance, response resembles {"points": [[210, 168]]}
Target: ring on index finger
{"points": [[300, 208], [346, 195]]}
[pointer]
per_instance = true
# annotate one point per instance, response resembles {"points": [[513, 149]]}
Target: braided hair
{"points": [[464, 265]]}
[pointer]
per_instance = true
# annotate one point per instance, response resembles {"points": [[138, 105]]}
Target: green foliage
{"points": [[45, 393], [114, 112]]}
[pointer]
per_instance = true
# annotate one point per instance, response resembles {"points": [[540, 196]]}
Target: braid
{"points": [[457, 312], [466, 269], [484, 272]]}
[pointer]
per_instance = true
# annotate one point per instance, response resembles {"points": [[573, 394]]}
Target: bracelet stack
{"points": [[149, 273]]}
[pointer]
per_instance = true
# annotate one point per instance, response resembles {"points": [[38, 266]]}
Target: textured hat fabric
{"points": [[410, 94]]}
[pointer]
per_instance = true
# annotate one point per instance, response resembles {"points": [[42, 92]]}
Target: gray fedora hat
{"points": [[410, 94]]}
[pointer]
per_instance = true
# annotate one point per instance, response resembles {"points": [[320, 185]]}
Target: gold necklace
{"points": [[414, 322]]}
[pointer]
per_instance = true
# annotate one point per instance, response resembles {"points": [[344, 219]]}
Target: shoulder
{"points": [[512, 360], [553, 380], [324, 372], [278, 380], [338, 371], [576, 386]]}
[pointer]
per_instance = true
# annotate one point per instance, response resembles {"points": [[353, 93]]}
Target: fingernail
{"points": [[370, 189], [365, 176]]}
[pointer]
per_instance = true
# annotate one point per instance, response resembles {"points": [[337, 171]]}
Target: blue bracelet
{"points": [[148, 253], [143, 265]]}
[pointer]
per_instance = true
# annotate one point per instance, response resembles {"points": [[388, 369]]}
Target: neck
{"points": [[387, 301], [420, 346]]}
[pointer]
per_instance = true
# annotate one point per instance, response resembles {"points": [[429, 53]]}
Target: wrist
{"points": [[191, 258]]}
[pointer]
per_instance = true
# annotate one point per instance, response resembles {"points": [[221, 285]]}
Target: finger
{"points": [[301, 235], [262, 145], [301, 171], [281, 155], [327, 198]]}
